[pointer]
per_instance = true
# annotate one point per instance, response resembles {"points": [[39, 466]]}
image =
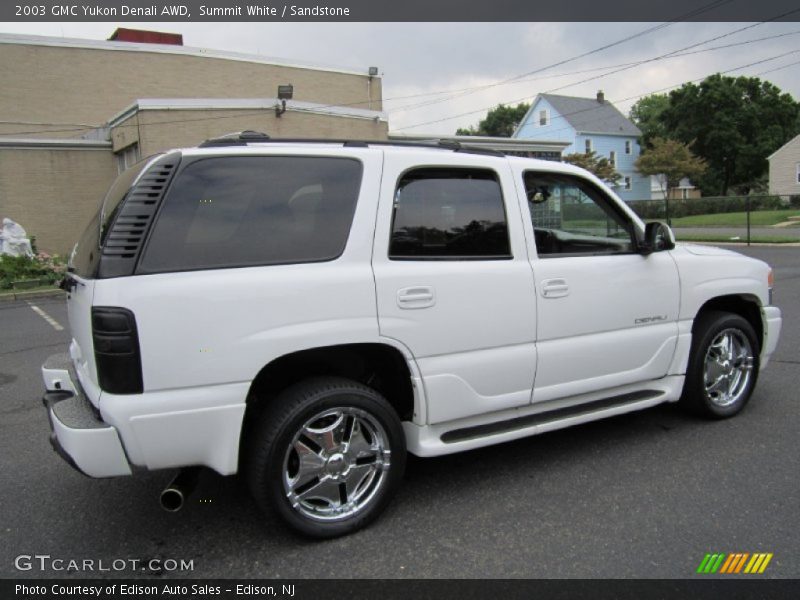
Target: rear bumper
{"points": [[77, 433], [772, 332]]}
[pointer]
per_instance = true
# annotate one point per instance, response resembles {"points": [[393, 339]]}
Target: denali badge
{"points": [[642, 320]]}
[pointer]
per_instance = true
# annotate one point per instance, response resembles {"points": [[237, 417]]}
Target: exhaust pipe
{"points": [[176, 493]]}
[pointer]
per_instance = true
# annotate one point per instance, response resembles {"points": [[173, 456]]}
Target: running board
{"points": [[479, 431]]}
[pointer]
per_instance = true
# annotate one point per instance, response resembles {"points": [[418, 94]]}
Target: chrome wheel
{"points": [[335, 464], [728, 367]]}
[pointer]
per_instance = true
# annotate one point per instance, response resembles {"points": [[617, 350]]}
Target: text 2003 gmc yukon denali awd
{"points": [[308, 312]]}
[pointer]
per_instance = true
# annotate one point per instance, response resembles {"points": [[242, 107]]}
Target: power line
{"points": [[581, 72], [660, 57], [710, 6], [261, 113], [671, 87]]}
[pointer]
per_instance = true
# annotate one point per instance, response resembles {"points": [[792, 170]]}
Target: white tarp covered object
{"points": [[13, 240]]}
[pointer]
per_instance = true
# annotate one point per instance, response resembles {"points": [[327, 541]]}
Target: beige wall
{"points": [[50, 91], [54, 192], [783, 169], [82, 86]]}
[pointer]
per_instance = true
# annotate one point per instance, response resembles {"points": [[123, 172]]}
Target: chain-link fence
{"points": [[747, 219]]}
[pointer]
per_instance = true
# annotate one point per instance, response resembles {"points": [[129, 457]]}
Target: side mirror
{"points": [[657, 237]]}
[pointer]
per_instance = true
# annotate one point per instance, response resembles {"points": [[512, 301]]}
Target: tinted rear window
{"points": [[242, 211], [449, 213]]}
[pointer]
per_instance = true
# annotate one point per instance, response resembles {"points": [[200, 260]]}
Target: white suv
{"points": [[307, 312]]}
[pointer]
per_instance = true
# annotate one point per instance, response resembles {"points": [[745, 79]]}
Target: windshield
{"points": [[86, 253]]}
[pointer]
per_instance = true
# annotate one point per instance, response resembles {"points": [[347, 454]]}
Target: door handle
{"points": [[416, 297], [555, 288]]}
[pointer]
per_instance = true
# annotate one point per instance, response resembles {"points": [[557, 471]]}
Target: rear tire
{"points": [[723, 365], [327, 454]]}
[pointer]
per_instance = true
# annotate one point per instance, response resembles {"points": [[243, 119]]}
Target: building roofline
{"points": [[37, 40], [63, 143], [782, 148], [527, 114], [498, 143], [566, 118], [242, 104]]}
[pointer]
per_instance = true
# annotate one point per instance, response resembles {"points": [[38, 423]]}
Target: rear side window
{"points": [[449, 214], [254, 210], [86, 253]]}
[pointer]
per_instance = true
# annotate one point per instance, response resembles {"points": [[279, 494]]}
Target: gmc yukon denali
{"points": [[307, 312]]}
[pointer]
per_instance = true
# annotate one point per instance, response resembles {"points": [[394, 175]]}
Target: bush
{"points": [[709, 205], [43, 266]]}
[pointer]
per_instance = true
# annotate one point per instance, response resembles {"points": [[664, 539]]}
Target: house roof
{"points": [[588, 115], [791, 142]]}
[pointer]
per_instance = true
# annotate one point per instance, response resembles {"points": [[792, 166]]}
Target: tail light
{"points": [[116, 350]]}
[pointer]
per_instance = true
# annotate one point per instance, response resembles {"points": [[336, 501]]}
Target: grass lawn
{"points": [[755, 239], [758, 218]]}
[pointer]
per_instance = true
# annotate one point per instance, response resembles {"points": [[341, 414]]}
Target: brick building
{"points": [[73, 113]]}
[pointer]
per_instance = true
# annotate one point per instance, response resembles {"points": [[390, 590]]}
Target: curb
{"points": [[14, 296]]}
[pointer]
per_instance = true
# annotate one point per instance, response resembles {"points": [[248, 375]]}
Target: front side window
{"points": [[797, 166], [449, 214], [627, 183], [543, 117], [254, 210], [612, 158], [571, 217], [588, 145]]}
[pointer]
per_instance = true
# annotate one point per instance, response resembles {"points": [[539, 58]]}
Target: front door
{"points": [[607, 315]]}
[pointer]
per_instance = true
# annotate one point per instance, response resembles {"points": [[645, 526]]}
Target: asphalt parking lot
{"points": [[643, 495]]}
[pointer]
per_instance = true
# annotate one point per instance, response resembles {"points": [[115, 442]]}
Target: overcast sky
{"points": [[421, 58]]}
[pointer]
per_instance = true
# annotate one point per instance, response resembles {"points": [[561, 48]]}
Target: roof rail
{"points": [[245, 137], [240, 138]]}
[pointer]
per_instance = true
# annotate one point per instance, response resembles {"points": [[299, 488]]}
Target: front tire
{"points": [[328, 455], [723, 365]]}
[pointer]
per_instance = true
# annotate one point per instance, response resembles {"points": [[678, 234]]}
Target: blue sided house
{"points": [[589, 124]]}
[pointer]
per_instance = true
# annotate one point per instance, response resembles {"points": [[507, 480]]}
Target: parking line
{"points": [[55, 324]]}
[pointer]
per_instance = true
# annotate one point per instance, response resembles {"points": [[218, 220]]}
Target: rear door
{"points": [[453, 281]]}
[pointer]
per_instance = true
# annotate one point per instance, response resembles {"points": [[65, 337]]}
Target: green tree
{"points": [[646, 115], [599, 166], [501, 121], [672, 160], [734, 124]]}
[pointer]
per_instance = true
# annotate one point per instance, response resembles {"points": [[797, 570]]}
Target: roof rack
{"points": [[240, 138], [244, 138]]}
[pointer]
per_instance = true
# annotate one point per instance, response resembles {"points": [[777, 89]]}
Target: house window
{"points": [[684, 193], [798, 172], [627, 183], [588, 145], [127, 158], [612, 158], [628, 147], [543, 118]]}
